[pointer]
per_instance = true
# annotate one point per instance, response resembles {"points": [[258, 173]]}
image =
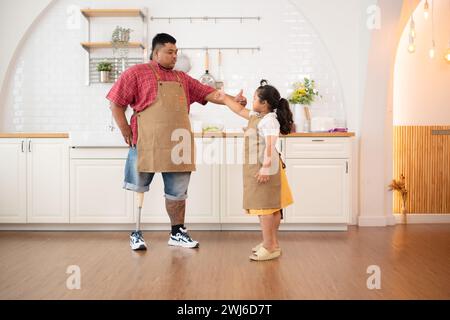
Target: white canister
{"points": [[299, 117]]}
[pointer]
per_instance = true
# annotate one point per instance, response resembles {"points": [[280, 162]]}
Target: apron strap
{"points": [[158, 78], [282, 162]]}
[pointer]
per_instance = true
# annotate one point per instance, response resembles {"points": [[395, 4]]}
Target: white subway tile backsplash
{"points": [[47, 91]]}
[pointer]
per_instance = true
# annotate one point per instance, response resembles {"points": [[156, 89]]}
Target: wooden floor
{"points": [[414, 262]]}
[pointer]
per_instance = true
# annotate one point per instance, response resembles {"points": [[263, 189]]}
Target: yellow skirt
{"points": [[286, 197]]}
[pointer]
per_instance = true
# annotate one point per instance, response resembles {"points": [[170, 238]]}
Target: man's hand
{"points": [[118, 113], [127, 135], [240, 98], [219, 98]]}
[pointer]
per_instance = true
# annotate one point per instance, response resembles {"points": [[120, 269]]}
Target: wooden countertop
{"points": [[33, 135], [291, 135], [197, 135]]}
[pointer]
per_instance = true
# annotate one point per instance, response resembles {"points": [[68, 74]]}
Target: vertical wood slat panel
{"points": [[424, 159]]}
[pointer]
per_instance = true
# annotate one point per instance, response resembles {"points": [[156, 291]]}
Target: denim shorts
{"points": [[175, 183]]}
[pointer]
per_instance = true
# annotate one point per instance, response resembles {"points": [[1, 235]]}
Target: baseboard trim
{"points": [[165, 227], [414, 218], [374, 221]]}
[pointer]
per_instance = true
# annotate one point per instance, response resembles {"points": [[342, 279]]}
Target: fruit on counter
{"points": [[211, 129]]}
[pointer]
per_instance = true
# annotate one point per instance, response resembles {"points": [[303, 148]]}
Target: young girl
{"points": [[266, 190]]}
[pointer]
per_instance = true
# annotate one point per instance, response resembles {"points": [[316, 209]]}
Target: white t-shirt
{"points": [[269, 125]]}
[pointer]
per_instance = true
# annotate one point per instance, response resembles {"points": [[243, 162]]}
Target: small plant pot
{"points": [[125, 37], [105, 76]]}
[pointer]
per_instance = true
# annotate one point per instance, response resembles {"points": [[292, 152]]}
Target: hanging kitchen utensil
{"points": [[219, 83], [183, 63], [207, 78]]}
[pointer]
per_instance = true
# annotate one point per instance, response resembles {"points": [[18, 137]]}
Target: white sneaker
{"points": [[137, 241], [182, 239]]}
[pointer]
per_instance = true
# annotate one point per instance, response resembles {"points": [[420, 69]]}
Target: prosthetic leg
{"points": [[140, 200], [136, 239]]}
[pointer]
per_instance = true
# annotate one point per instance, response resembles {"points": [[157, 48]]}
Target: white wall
{"points": [[39, 96], [14, 21], [332, 34], [377, 118], [421, 84], [48, 93]]}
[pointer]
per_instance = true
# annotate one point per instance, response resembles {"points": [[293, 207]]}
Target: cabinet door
{"points": [[47, 180], [320, 191], [13, 204], [232, 194], [203, 204], [154, 206], [96, 193]]}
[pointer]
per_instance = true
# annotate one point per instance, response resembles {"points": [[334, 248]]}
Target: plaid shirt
{"points": [[137, 87]]}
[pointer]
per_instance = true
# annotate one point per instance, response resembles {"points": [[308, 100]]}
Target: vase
{"points": [[403, 211], [302, 124]]}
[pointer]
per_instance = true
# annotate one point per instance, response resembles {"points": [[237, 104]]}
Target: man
{"points": [[160, 98]]}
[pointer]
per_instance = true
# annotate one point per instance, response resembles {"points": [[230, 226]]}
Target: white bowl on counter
{"points": [[97, 139]]}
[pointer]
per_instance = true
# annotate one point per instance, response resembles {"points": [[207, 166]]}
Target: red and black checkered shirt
{"points": [[137, 87]]}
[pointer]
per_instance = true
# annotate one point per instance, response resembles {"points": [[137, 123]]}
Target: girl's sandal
{"points": [[255, 248], [263, 254]]}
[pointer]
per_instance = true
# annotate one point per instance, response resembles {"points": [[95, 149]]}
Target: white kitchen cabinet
{"points": [[232, 184], [36, 186], [13, 181], [96, 181], [48, 180], [231, 177], [319, 180], [35, 180], [154, 207], [203, 203]]}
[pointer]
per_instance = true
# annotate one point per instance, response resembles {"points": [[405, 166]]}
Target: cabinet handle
{"points": [[22, 145], [318, 140], [29, 145], [346, 166]]}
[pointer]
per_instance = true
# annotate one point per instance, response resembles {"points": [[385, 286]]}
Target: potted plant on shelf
{"points": [[120, 36], [105, 69], [304, 94], [400, 187], [120, 39]]}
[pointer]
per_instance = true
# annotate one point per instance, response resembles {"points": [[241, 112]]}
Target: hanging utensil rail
{"points": [[205, 18]]}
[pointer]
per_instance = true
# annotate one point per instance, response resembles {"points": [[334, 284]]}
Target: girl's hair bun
{"points": [[263, 82]]}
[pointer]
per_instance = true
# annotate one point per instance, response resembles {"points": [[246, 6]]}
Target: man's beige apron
{"points": [[156, 124], [265, 195]]}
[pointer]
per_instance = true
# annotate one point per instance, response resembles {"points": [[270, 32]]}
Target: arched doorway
{"points": [[421, 113]]}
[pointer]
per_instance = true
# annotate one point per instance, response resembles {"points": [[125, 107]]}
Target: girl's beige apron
{"points": [[266, 195], [157, 122]]}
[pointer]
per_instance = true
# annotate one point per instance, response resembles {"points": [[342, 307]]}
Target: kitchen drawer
{"points": [[99, 153], [317, 147]]}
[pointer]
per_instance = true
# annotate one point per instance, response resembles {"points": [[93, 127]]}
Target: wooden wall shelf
{"points": [[120, 63], [112, 13], [99, 45]]}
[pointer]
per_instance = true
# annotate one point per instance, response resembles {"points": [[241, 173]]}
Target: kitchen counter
{"points": [[94, 160], [33, 135], [115, 139], [297, 134], [100, 139]]}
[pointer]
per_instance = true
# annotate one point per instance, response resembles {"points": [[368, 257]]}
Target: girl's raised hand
{"points": [[262, 176]]}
